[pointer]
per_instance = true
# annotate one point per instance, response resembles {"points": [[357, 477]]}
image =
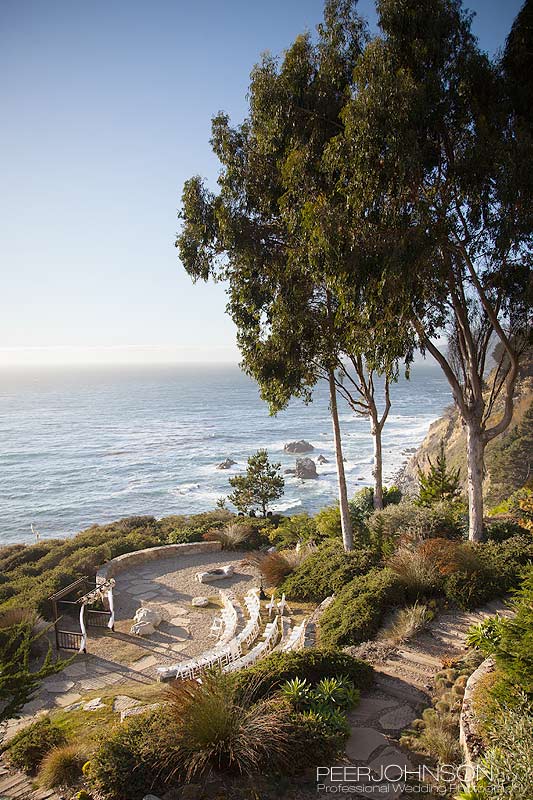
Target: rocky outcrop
{"points": [[306, 469], [322, 459], [299, 447], [226, 464]]}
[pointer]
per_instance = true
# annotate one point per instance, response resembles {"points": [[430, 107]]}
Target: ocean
{"points": [[90, 445]]}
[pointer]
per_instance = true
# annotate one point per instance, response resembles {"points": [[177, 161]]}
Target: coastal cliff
{"points": [[508, 458]]}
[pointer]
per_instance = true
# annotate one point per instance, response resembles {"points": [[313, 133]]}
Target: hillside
{"points": [[509, 457]]}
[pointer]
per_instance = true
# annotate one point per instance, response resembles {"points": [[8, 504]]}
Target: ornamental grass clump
{"points": [[62, 766], [231, 537], [216, 727], [407, 622]]}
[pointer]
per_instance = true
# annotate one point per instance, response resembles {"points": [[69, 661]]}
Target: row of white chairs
{"points": [[225, 652], [263, 648], [225, 625], [296, 638]]}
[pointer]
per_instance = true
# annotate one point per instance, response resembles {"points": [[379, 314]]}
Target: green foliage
{"points": [[409, 520], [291, 530], [26, 749], [358, 609], [510, 755], [329, 694], [502, 530], [511, 505], [216, 726], [132, 759], [362, 503], [439, 483], [327, 570], [486, 636], [262, 484], [514, 653], [20, 674], [61, 766], [311, 665]]}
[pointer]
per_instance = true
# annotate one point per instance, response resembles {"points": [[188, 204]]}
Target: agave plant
{"points": [[298, 692], [336, 692], [486, 635]]}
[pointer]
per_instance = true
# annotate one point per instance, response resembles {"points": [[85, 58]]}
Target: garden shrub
{"points": [[311, 664], [514, 653], [501, 530], [133, 759], [362, 503], [328, 524], [358, 609], [26, 749], [218, 726], [291, 530], [408, 520], [327, 570]]}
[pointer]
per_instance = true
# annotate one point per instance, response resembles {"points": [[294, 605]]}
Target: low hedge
{"points": [[357, 611], [27, 748], [327, 570], [313, 664]]}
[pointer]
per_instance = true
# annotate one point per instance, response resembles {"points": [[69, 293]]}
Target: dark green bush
{"points": [[131, 760], [311, 664], [514, 653], [502, 530], [357, 611], [27, 748], [362, 503], [291, 530], [494, 569], [327, 570], [315, 742]]}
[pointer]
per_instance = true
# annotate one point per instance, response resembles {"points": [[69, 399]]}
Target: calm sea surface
{"points": [[79, 446]]}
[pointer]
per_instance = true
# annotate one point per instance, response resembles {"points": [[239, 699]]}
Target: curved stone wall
{"points": [[469, 739], [121, 563]]}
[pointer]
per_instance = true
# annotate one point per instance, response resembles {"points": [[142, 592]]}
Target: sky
{"points": [[105, 111]]}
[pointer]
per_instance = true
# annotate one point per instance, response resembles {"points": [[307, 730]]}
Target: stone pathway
{"points": [[17, 785], [403, 685]]}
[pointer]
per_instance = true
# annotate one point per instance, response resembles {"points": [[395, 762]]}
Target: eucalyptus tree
{"points": [[253, 234], [423, 164]]}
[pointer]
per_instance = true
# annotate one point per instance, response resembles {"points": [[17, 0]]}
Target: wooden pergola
{"points": [[77, 597]]}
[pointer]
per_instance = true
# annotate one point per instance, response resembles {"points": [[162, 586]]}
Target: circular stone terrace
{"points": [[165, 582]]}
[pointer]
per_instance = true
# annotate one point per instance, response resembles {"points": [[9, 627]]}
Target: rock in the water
{"points": [[200, 602], [322, 460], [289, 472], [306, 468], [301, 446], [226, 464]]}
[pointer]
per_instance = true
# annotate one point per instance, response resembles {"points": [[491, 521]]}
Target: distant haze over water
{"points": [[91, 445]]}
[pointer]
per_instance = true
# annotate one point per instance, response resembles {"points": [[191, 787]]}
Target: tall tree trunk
{"points": [[475, 451], [346, 522], [377, 470]]}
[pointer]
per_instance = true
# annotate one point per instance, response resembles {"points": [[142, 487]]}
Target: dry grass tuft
{"points": [[275, 566], [61, 767], [407, 622], [230, 537]]}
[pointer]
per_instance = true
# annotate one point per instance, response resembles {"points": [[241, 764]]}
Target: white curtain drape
{"points": [[83, 645], [111, 622]]}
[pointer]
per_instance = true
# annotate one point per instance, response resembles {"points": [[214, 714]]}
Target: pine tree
{"points": [[261, 484], [439, 483], [18, 683]]}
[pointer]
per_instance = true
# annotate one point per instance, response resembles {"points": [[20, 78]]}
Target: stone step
{"points": [[390, 685], [7, 784], [422, 659]]}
